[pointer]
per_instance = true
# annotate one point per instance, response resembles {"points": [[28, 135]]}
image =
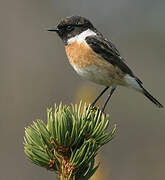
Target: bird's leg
{"points": [[109, 96], [98, 97]]}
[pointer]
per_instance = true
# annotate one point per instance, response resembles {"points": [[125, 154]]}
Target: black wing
{"points": [[108, 51]]}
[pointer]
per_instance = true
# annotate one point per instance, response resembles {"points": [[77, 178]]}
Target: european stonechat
{"points": [[96, 58]]}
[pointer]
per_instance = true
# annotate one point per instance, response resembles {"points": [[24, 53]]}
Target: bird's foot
{"points": [[94, 108]]}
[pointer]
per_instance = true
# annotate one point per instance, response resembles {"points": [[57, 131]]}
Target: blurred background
{"points": [[35, 74]]}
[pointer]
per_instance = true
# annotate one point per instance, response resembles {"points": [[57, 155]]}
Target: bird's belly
{"points": [[95, 74]]}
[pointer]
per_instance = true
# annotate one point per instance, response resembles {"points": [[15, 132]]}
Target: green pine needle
{"points": [[69, 142]]}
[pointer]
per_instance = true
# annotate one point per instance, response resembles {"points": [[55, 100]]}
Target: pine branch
{"points": [[69, 142]]}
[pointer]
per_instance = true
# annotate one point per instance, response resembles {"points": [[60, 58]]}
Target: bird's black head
{"points": [[72, 26]]}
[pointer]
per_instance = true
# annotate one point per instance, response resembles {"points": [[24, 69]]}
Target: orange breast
{"points": [[81, 55]]}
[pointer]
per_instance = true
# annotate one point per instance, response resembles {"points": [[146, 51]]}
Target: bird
{"points": [[96, 58]]}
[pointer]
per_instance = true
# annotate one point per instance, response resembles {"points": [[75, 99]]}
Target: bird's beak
{"points": [[53, 29]]}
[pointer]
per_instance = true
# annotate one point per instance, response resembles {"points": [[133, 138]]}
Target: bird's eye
{"points": [[69, 28]]}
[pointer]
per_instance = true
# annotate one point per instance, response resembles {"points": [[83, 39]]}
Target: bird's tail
{"points": [[136, 84], [151, 98], [148, 95]]}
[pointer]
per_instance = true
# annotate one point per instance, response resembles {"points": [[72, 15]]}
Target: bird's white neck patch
{"points": [[81, 37]]}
